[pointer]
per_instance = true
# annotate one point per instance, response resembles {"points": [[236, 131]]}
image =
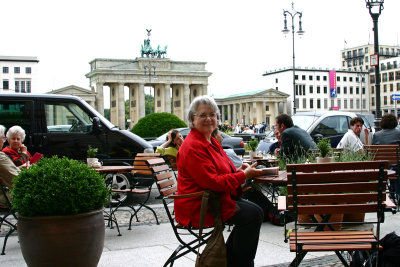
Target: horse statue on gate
{"points": [[147, 50]]}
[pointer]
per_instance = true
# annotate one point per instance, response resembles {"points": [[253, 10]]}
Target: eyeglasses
{"points": [[205, 116]]}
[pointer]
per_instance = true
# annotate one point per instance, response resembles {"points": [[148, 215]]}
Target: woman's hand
{"points": [[23, 149], [243, 167], [251, 171], [25, 165], [169, 140]]}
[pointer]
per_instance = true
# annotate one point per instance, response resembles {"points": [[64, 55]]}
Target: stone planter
{"points": [[252, 154], [324, 160], [91, 161], [75, 240]]}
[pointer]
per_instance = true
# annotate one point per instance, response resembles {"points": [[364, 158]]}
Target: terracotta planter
{"points": [[76, 240], [324, 160]]}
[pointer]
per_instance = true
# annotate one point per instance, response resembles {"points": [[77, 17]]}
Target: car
{"points": [[331, 124], [235, 143]]}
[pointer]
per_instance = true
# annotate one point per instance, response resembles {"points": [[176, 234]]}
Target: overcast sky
{"points": [[239, 40]]}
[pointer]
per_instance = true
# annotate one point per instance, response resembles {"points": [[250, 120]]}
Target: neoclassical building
{"points": [[85, 94], [252, 107], [175, 84]]}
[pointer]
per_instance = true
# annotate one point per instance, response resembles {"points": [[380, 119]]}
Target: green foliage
{"points": [[349, 156], [92, 152], [324, 146], [55, 186], [157, 124], [252, 145]]}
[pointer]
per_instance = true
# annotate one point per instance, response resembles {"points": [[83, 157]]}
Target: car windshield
{"points": [[304, 121]]}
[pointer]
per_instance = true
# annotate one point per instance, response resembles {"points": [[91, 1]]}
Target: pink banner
{"points": [[332, 83]]}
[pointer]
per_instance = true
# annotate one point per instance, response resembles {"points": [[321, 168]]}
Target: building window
{"points": [[296, 77], [364, 103], [318, 77], [391, 101], [28, 86], [372, 78], [345, 90], [398, 87], [17, 70], [384, 88], [5, 85], [351, 90], [366, 50], [332, 103], [351, 103], [304, 89], [397, 75], [266, 108], [311, 89], [366, 59], [28, 70], [358, 103], [303, 77], [325, 89], [345, 104], [338, 90], [311, 103], [325, 103], [391, 76], [5, 69], [310, 77], [372, 101], [17, 86], [304, 103], [318, 89], [357, 90], [325, 78], [338, 78], [345, 79], [22, 86], [339, 103], [318, 103], [363, 91], [372, 89], [384, 77], [385, 100], [351, 79], [391, 87]]}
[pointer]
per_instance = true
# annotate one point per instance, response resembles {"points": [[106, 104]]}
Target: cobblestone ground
{"points": [[325, 261]]}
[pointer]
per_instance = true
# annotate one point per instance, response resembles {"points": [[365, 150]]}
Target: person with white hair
{"points": [[7, 169], [16, 150]]}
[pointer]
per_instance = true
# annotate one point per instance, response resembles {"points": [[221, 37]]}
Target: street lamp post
{"points": [[150, 72], [375, 8], [361, 77], [285, 30]]}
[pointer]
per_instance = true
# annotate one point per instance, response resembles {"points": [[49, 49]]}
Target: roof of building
{"points": [[251, 93], [18, 59]]}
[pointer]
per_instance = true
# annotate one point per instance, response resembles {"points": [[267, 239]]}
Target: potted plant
{"points": [[324, 147], [60, 213], [91, 155], [252, 146]]}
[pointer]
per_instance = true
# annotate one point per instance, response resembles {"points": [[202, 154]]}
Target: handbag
{"points": [[214, 253]]}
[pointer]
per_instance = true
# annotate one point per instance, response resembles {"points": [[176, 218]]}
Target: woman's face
{"points": [[205, 119], [15, 141], [178, 139]]}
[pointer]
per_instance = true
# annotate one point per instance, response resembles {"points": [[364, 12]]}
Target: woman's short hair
{"points": [[173, 135], [16, 130], [388, 121], [2, 131], [206, 100], [355, 120]]}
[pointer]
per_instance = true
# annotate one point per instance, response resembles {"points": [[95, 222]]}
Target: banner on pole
{"points": [[332, 83]]}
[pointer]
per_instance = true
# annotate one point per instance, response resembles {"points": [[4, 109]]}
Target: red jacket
{"points": [[203, 165], [17, 158]]}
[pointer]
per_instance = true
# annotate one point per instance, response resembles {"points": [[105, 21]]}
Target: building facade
{"points": [[252, 107], [358, 58], [86, 94], [313, 89], [18, 74]]}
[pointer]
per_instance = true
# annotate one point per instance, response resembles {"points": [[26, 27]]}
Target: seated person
{"points": [[17, 151], [229, 151], [389, 135], [172, 145], [273, 148], [7, 169], [351, 140]]}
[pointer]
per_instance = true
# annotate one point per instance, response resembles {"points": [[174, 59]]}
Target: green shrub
{"points": [[156, 124], [252, 145], [324, 146], [92, 152], [55, 186]]}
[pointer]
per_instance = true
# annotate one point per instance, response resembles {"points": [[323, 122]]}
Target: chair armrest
{"points": [[282, 203], [196, 194]]}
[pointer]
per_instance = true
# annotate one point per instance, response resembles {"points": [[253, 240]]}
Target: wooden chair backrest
{"points": [[338, 187], [140, 165], [384, 152], [172, 162], [163, 176]]}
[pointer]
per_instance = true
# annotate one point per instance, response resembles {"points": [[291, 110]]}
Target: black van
{"points": [[66, 125]]}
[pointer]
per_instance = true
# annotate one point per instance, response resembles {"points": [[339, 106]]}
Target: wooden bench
{"points": [[320, 190]]}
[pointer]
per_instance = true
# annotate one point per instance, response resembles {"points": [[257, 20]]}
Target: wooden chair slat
{"points": [[160, 168], [337, 176], [163, 176], [330, 233], [165, 184], [340, 198], [336, 209], [336, 166], [341, 247], [327, 188], [169, 191]]}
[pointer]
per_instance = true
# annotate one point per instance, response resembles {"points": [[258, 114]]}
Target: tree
{"points": [[156, 124]]}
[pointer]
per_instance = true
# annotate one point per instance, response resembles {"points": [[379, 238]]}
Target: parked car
{"points": [[331, 124], [236, 143]]}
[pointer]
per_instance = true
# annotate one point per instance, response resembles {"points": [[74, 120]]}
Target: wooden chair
{"points": [[171, 161], [167, 187], [391, 153], [320, 190], [7, 217]]}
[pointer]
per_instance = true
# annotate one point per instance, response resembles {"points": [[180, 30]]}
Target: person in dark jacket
{"points": [[295, 141], [389, 135]]}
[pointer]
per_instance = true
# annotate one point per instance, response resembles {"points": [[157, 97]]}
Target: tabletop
{"points": [[122, 168]]}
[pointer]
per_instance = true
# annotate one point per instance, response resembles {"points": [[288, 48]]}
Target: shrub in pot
{"points": [[324, 147], [60, 206], [91, 155], [252, 146]]}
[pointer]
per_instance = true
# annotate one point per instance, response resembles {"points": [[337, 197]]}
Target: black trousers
{"points": [[242, 243]]}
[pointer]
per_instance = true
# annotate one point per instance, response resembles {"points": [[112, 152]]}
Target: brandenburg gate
{"points": [[175, 84]]}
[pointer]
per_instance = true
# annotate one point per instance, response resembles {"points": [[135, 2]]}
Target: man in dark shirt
{"points": [[295, 141]]}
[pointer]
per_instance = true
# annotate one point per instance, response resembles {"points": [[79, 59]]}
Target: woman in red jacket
{"points": [[202, 164], [17, 151]]}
